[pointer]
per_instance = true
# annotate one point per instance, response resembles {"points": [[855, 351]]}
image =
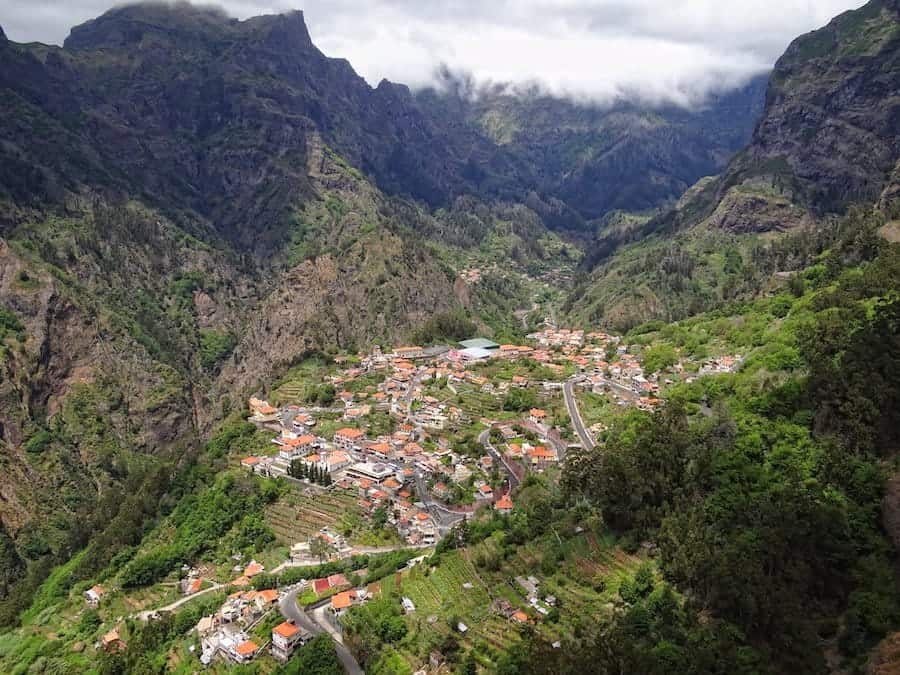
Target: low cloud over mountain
{"points": [[584, 49]]}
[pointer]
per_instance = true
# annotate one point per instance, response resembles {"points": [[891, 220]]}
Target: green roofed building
{"points": [[479, 343]]}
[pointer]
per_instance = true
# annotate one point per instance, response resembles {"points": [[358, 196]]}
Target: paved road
{"points": [[358, 550], [443, 517], [291, 612], [569, 393], [485, 439], [145, 615]]}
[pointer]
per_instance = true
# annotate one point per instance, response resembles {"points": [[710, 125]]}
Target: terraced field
{"points": [[442, 594], [295, 517], [477, 403]]}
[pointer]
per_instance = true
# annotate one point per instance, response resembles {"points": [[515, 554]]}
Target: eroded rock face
{"points": [[746, 213], [830, 133]]}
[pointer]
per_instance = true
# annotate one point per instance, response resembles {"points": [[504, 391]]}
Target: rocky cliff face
{"points": [[830, 134]]}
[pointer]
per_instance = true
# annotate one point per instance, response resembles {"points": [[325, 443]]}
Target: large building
{"points": [[374, 471]]}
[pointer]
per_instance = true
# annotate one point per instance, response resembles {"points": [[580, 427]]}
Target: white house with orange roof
{"points": [[286, 637], [349, 438], [537, 416], [292, 448], [504, 504]]}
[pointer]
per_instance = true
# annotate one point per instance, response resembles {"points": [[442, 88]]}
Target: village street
{"points": [[572, 405], [292, 612], [485, 439]]}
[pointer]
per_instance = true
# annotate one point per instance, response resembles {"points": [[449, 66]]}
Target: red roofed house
{"points": [[537, 415], [285, 638], [336, 460], [253, 569], [267, 596], [485, 492], [335, 580], [320, 586], [244, 652], [348, 438], [341, 602], [291, 448], [504, 504], [541, 457]]}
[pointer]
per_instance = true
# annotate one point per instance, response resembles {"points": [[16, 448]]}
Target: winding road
{"points": [[147, 613], [292, 612], [572, 405]]}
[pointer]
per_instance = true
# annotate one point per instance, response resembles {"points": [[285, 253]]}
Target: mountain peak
{"points": [[129, 25], [288, 30]]}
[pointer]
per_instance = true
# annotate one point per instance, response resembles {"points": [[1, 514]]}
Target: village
{"points": [[419, 439]]}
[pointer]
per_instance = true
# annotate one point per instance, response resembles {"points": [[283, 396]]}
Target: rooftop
{"points": [[479, 343]]}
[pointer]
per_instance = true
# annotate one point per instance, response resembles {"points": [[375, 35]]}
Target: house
{"points": [[348, 438], [191, 586], [440, 490], [292, 448], [504, 504], [320, 586], [253, 569], [541, 457], [266, 598], [250, 463], [261, 408], [112, 642], [537, 416], [336, 460], [341, 602], [286, 637], [485, 492], [337, 580], [245, 651], [519, 617], [408, 352], [381, 450], [94, 595]]}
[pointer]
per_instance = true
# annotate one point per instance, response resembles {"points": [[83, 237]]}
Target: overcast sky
{"points": [[589, 49]]}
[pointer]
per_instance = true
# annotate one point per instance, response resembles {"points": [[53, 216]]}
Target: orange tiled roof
{"points": [[286, 630], [269, 595], [341, 600], [246, 648]]}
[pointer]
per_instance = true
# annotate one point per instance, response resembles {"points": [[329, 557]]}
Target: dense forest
{"points": [[762, 490]]}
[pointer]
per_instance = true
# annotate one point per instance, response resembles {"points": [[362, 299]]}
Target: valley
{"points": [[303, 375]]}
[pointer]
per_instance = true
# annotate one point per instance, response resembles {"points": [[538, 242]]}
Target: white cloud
{"points": [[657, 49]]}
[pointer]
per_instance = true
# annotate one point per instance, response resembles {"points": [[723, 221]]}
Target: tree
{"points": [[518, 400], [316, 658], [321, 549]]}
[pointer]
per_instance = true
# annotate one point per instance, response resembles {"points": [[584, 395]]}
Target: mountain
{"points": [[190, 205], [622, 156], [829, 137]]}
